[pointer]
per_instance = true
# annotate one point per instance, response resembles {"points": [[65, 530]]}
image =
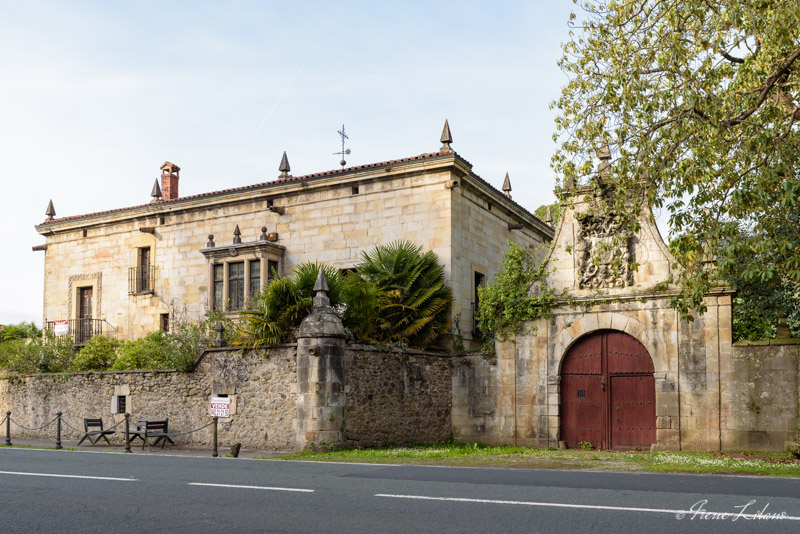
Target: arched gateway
{"points": [[608, 392]]}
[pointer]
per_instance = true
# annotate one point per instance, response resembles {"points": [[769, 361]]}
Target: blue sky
{"points": [[95, 96]]}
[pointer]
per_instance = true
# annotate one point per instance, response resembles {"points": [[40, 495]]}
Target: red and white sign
{"points": [[219, 407], [61, 328]]}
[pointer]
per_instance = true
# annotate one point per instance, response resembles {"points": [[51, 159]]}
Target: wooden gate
{"points": [[608, 392]]}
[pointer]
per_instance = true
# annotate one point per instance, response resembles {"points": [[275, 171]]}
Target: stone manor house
{"points": [[127, 272], [614, 365]]}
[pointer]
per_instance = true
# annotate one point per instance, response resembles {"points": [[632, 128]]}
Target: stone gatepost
{"points": [[320, 374]]}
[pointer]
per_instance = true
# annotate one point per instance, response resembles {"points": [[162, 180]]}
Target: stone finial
{"points": [[549, 217], [211, 243], [263, 236], [219, 341], [51, 211], [604, 154], [156, 192], [783, 326], [446, 139], [321, 299], [284, 166], [237, 235], [507, 187]]}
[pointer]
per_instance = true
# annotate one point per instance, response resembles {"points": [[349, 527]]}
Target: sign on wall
{"points": [[219, 407], [61, 328]]}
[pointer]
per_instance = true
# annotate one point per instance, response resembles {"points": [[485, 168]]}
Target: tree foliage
{"points": [[507, 301], [699, 103], [413, 304], [276, 312], [395, 295]]}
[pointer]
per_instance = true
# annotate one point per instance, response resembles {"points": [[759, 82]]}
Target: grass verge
{"points": [[479, 455]]}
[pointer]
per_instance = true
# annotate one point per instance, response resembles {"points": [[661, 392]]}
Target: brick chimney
{"points": [[169, 180]]}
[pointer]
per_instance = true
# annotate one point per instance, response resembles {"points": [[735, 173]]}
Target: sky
{"points": [[96, 96]]}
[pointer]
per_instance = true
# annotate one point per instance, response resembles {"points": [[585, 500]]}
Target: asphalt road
{"points": [[70, 491]]}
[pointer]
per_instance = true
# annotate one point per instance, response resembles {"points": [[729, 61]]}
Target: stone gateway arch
{"points": [[608, 392]]}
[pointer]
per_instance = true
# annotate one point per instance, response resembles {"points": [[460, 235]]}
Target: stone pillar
{"points": [[320, 374]]}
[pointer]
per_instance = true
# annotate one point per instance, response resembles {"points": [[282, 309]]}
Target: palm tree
{"points": [[277, 311], [413, 303]]}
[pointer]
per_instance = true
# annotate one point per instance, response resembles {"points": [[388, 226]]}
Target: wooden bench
{"points": [[158, 430], [95, 435]]}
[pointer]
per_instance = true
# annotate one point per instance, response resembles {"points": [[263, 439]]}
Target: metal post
{"points": [[127, 432], [8, 429], [58, 431], [215, 454]]}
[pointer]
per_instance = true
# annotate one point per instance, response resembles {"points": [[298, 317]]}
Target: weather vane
{"points": [[344, 152]]}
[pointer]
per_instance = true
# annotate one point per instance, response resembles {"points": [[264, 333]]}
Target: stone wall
{"points": [[396, 398], [263, 390], [761, 395], [477, 415], [390, 397]]}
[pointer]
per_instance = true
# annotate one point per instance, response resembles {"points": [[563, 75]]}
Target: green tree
{"points": [[276, 312], [162, 350], [699, 103], [98, 354], [758, 302], [414, 305], [517, 294], [395, 295]]}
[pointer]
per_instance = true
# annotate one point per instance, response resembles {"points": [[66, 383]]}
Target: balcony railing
{"points": [[81, 330], [141, 280]]}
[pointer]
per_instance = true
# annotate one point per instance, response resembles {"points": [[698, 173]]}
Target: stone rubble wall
{"points": [[392, 397], [396, 398], [263, 388]]}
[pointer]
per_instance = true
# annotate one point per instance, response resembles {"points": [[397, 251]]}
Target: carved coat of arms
{"points": [[605, 252]]}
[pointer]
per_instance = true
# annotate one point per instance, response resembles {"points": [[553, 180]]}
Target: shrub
{"points": [[161, 350], [98, 354]]}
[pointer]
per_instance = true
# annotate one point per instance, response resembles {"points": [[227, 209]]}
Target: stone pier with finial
{"points": [[320, 374]]}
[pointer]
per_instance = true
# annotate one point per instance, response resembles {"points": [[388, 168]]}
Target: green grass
{"points": [[480, 455]]}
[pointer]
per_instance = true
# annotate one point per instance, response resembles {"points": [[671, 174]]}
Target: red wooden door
{"points": [[608, 392]]}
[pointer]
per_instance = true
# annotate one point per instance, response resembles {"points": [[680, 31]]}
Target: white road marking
{"points": [[53, 475], [251, 487], [684, 513]]}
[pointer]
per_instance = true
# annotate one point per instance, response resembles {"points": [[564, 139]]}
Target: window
{"points": [[164, 322], [144, 270], [272, 270], [236, 285], [119, 403], [219, 280], [354, 190], [255, 277], [479, 280]]}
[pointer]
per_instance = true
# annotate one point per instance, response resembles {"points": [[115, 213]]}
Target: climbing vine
{"points": [[517, 294]]}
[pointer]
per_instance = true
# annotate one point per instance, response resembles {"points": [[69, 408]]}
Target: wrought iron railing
{"points": [[141, 280], [81, 330]]}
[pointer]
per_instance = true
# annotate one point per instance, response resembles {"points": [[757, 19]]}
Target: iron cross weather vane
{"points": [[343, 152]]}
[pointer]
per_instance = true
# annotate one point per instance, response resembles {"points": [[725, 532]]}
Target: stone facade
{"points": [[156, 262], [518, 398]]}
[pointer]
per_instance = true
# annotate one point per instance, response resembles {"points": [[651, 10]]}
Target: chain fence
{"points": [[140, 431]]}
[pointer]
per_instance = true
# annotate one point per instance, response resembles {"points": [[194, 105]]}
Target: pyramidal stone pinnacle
{"points": [[284, 166], [51, 211], [446, 138], [507, 187], [156, 192]]}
